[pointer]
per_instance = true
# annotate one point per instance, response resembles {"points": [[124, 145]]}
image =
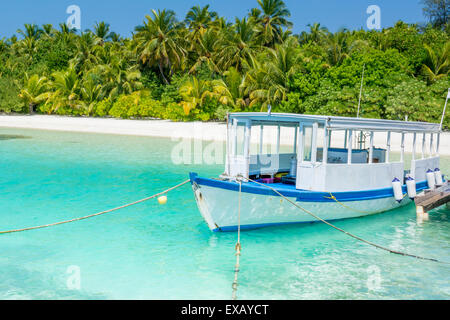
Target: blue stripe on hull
{"points": [[301, 195], [261, 225]]}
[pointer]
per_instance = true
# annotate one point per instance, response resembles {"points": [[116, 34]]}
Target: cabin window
{"points": [[288, 139], [394, 146], [307, 142], [377, 152], [270, 137], [320, 139], [409, 153], [361, 140], [425, 145], [337, 139], [432, 145], [255, 145], [240, 136]]}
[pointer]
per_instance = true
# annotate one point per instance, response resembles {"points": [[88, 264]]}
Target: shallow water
{"points": [[150, 251]]}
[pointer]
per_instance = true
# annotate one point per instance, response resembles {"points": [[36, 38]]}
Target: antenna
{"points": [[443, 112], [360, 90]]}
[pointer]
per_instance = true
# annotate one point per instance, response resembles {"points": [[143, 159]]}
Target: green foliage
{"points": [[205, 66], [174, 111], [125, 103], [33, 91], [293, 104], [140, 104], [306, 82], [55, 55], [378, 65], [102, 108], [413, 98], [9, 96]]}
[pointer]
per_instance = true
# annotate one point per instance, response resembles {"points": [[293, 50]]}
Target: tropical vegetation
{"points": [[205, 66]]}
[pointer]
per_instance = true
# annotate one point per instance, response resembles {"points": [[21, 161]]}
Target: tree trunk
{"points": [[162, 72], [30, 107], [170, 68]]}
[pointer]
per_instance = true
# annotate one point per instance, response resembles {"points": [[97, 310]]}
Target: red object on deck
{"points": [[271, 180]]}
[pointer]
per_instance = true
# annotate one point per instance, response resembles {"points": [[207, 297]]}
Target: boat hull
{"points": [[218, 204]]}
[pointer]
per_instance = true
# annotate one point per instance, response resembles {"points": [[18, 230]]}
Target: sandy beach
{"points": [[175, 130]]}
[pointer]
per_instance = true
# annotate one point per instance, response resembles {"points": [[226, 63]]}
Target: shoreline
{"points": [[146, 128], [168, 129]]}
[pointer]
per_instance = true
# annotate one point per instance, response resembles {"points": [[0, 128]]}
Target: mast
{"points": [[359, 107], [443, 112], [360, 90]]}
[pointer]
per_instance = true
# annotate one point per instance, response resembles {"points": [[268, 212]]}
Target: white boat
{"points": [[331, 177]]}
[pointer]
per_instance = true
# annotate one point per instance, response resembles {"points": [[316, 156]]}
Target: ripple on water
{"points": [[152, 251]]}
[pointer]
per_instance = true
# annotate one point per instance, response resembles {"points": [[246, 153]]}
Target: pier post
{"points": [[421, 214]]}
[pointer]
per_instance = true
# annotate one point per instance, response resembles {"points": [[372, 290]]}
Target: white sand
{"points": [[188, 130]]}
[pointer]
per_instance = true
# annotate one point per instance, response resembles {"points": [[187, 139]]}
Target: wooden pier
{"points": [[432, 199]]}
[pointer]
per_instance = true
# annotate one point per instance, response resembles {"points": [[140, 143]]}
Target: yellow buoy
{"points": [[162, 200]]}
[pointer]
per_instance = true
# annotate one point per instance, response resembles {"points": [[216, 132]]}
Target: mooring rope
{"points": [[97, 214], [238, 246], [343, 231], [332, 197]]}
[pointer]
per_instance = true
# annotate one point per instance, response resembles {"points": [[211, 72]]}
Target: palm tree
{"points": [[48, 30], [122, 79], [199, 18], [31, 31], [340, 46], [102, 32], [194, 93], [66, 92], [91, 92], [238, 47], [254, 14], [117, 69], [28, 46], [66, 34], [268, 82], [3, 45], [13, 40], [437, 64], [272, 20], [204, 49], [316, 33], [65, 29], [85, 57], [33, 91], [115, 37], [230, 90], [157, 42], [219, 24]]}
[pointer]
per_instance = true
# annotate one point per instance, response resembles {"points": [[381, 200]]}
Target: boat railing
{"points": [[347, 164]]}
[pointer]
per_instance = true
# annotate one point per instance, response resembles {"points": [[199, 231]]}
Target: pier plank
{"points": [[434, 198]]}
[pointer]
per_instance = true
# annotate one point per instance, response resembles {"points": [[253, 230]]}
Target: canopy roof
{"points": [[336, 123]]}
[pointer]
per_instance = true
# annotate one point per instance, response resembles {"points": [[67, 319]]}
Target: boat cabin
{"points": [[329, 154]]}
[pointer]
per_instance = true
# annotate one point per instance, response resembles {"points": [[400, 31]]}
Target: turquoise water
{"points": [[151, 251]]}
